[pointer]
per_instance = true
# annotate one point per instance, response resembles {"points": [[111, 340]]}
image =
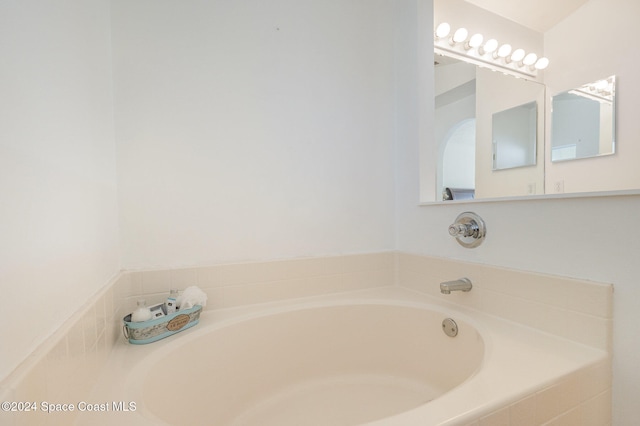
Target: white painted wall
{"points": [[579, 237], [459, 160], [58, 220], [253, 130]]}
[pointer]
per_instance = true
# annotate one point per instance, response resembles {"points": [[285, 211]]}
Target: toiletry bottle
{"points": [[171, 303], [142, 312]]}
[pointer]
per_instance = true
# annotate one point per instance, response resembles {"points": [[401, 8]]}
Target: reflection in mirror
{"points": [[514, 137], [468, 99], [455, 130], [583, 121]]}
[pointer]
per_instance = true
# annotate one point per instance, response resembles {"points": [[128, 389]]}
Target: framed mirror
{"points": [[583, 121]]}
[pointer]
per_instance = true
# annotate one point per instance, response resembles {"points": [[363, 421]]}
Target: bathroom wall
{"points": [[58, 217], [306, 167], [584, 238], [253, 130]]}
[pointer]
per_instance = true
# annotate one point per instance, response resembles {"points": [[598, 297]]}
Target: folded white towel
{"points": [[192, 296]]}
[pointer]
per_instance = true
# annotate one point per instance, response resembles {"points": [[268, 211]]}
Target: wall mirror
{"points": [[486, 128], [572, 121], [514, 136], [583, 121]]}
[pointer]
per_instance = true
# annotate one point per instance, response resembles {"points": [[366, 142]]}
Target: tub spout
{"points": [[463, 284]]}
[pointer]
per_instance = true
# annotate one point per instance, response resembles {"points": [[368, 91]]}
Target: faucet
{"points": [[469, 229], [462, 284]]}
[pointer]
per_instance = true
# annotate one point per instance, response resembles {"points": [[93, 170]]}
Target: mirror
{"points": [[486, 129], [514, 136], [583, 121], [596, 157]]}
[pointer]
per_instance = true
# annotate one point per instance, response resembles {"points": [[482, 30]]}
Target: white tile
{"points": [[58, 372], [596, 379], [569, 418], [509, 307], [547, 404], [156, 281], [309, 267], [597, 410], [109, 303], [182, 278], [590, 330], [523, 412], [101, 315], [497, 418], [570, 392], [591, 298], [552, 320], [34, 385], [526, 285], [89, 328], [367, 279]]}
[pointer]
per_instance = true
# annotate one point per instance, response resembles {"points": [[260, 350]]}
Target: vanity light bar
{"points": [[491, 53], [601, 91]]}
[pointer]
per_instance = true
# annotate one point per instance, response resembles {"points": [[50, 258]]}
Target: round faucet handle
{"points": [[468, 225], [457, 229]]}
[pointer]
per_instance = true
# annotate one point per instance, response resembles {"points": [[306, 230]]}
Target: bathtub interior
{"points": [[332, 365]]}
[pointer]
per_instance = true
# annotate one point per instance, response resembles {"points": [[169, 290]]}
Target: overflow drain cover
{"points": [[450, 327]]}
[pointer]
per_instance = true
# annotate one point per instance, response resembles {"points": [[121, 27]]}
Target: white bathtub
{"points": [[377, 356]]}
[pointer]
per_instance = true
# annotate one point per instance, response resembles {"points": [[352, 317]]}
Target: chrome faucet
{"points": [[469, 229], [463, 284]]}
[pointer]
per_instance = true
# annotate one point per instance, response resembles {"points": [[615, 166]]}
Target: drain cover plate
{"points": [[450, 327]]}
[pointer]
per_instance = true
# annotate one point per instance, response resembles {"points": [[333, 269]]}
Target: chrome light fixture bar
{"points": [[490, 53]]}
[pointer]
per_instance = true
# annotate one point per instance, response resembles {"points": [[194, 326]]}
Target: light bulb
{"points": [[475, 41], [460, 35], [530, 59], [490, 46], [601, 85], [443, 30], [504, 50], [542, 63], [517, 55]]}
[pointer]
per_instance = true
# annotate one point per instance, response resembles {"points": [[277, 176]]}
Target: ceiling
{"points": [[539, 15]]}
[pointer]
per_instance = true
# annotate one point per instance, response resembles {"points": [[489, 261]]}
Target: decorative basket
{"points": [[140, 333]]}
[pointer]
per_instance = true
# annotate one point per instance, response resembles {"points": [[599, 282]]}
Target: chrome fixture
{"points": [[469, 229], [450, 327], [463, 284]]}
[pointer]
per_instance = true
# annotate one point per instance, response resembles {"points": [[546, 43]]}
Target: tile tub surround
{"points": [[577, 310], [65, 368], [235, 284]]}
